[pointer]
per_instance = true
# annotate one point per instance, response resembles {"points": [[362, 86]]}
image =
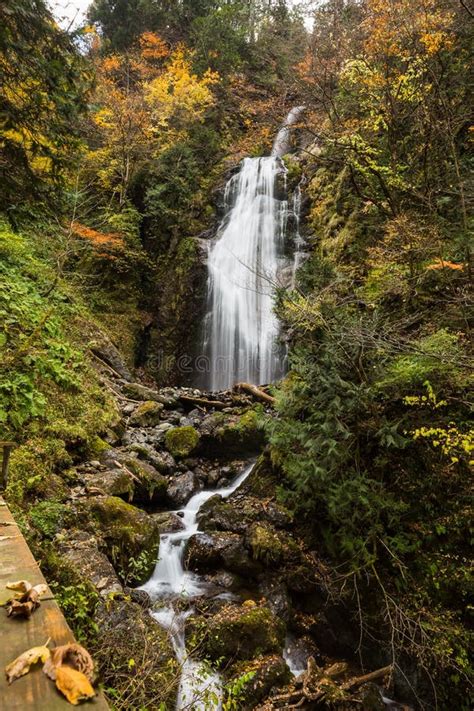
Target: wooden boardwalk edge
{"points": [[35, 690]]}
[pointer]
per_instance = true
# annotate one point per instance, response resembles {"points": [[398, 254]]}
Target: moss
{"points": [[240, 632], [264, 674], [181, 441], [265, 544], [147, 414]]}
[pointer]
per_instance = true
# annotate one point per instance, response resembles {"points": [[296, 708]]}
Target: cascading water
{"points": [[169, 580], [240, 340], [241, 329]]}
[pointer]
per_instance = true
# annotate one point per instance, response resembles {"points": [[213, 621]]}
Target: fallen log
{"points": [[256, 392], [203, 402]]}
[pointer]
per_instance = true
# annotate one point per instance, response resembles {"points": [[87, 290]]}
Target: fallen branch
{"points": [[257, 393], [202, 402], [359, 680]]}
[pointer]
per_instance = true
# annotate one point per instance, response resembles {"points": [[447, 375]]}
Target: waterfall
{"points": [[241, 329]]}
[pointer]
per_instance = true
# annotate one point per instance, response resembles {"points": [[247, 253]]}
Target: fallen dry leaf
{"points": [[73, 684], [16, 608], [24, 603], [21, 665], [71, 655], [21, 586]]}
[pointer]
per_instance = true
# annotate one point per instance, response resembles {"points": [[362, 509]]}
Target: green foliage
{"points": [[78, 602], [48, 517], [434, 358]]}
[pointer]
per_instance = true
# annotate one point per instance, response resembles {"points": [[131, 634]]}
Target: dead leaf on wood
{"points": [[21, 665], [26, 604], [71, 655], [21, 586], [73, 684]]}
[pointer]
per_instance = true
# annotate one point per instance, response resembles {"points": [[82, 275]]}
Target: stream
{"points": [[198, 685]]}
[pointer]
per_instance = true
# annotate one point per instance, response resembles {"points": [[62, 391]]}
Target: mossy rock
{"points": [[240, 632], [233, 435], [149, 485], [147, 414], [131, 537], [265, 544], [181, 441], [268, 672]]}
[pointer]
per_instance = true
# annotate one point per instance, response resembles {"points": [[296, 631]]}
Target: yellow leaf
{"points": [[21, 665], [73, 684]]}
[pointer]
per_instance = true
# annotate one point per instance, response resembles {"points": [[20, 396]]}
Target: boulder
{"points": [[130, 537], [182, 487], [218, 514], [146, 415], [239, 632], [149, 485], [81, 553], [113, 482], [168, 522], [229, 435], [206, 552], [162, 461], [142, 392], [269, 672], [181, 441], [277, 597], [265, 544]]}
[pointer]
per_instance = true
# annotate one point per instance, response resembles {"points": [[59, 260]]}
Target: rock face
{"points": [[240, 632]]}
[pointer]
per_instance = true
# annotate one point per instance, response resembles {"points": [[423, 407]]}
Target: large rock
{"points": [[182, 487], [227, 436], [141, 392], [239, 632], [135, 655], [206, 552], [81, 553], [269, 672], [168, 522], [162, 461], [182, 441], [131, 537], [146, 415], [113, 482], [149, 486]]}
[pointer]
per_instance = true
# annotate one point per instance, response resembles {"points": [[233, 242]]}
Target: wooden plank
{"points": [[33, 691]]}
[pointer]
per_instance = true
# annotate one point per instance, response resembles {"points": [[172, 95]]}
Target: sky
{"points": [[67, 11]]}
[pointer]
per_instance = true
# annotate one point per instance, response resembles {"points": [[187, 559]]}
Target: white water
{"points": [[169, 580], [241, 329], [299, 241]]}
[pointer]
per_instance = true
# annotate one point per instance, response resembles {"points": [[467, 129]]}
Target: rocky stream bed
{"points": [[236, 593]]}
